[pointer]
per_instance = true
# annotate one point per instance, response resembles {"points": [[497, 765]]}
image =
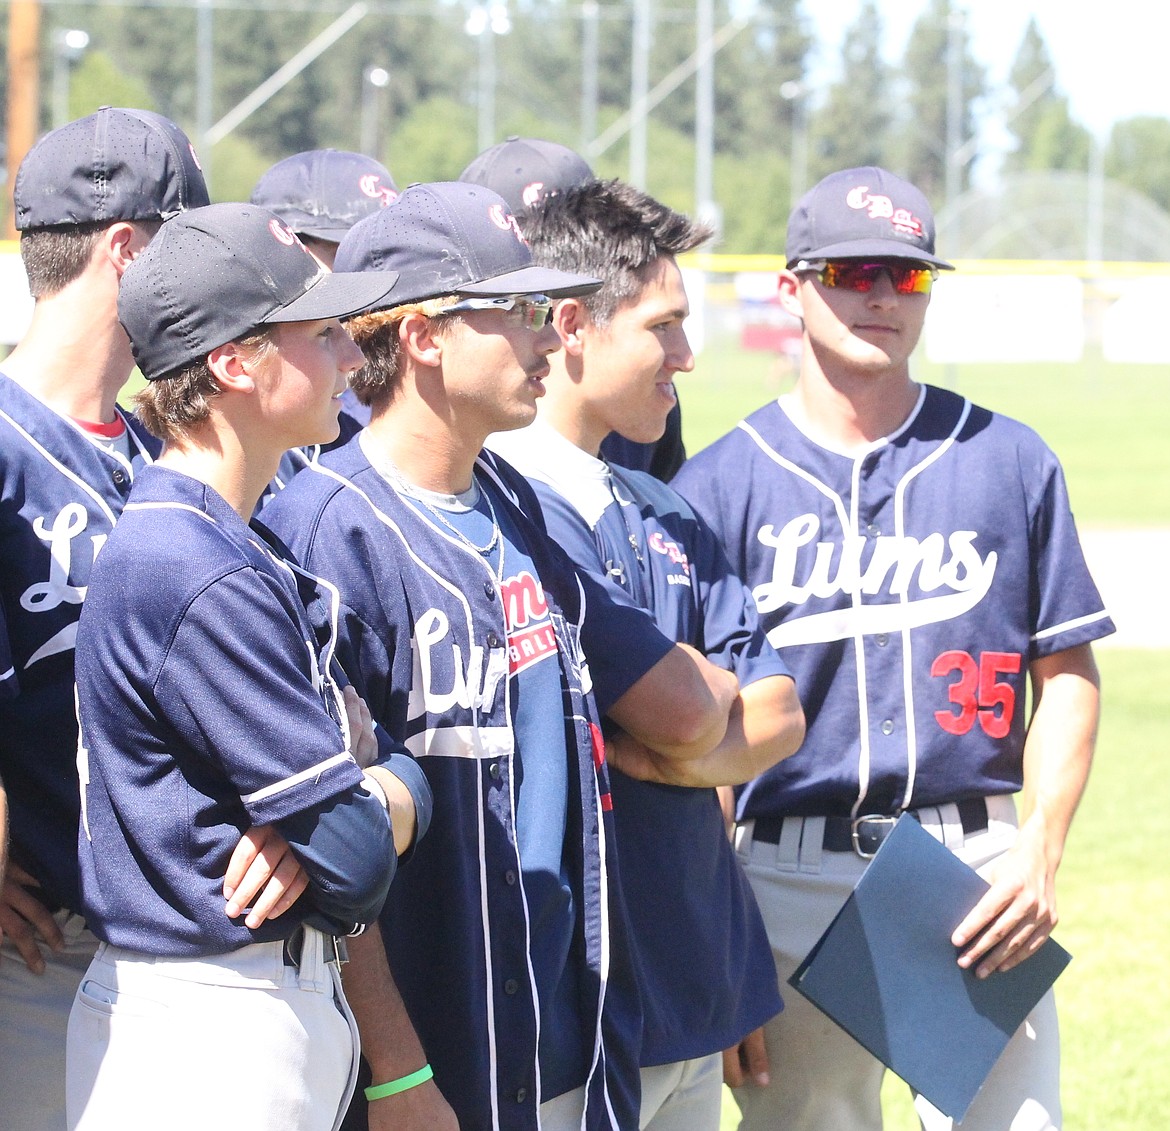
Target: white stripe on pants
{"points": [[234, 1040]]}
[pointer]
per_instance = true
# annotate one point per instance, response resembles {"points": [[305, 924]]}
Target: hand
{"points": [[417, 1109], [264, 874], [25, 920], [363, 743], [1018, 913], [747, 1062]]}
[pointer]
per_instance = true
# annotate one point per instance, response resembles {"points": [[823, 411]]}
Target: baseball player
{"points": [[525, 171], [207, 703], [88, 197], [320, 194], [914, 558], [466, 630], [702, 957]]}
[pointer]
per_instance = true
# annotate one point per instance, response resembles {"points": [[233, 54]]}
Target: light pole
{"points": [[484, 23], [589, 64], [374, 80], [797, 93], [639, 88], [69, 45]]}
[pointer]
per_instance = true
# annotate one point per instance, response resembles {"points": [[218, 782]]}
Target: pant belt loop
{"points": [[743, 837], [312, 972], [950, 825], [812, 843]]}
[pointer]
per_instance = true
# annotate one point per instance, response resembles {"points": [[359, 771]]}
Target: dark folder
{"points": [[885, 971]]}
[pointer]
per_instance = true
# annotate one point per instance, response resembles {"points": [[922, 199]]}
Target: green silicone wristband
{"points": [[402, 1084]]}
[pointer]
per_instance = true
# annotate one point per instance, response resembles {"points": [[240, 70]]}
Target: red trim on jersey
{"points": [[111, 431]]}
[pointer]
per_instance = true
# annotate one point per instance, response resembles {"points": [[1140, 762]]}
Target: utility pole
{"points": [[24, 27], [705, 113], [639, 87], [590, 50]]}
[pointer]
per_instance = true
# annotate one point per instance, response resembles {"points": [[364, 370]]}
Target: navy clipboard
{"points": [[885, 971]]}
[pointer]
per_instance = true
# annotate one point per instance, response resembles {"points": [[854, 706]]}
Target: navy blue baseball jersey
{"points": [[206, 706], [60, 494], [703, 961], [438, 639], [908, 587]]}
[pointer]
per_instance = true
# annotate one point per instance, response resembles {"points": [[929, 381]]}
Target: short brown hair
{"points": [[54, 257], [174, 405], [378, 381]]}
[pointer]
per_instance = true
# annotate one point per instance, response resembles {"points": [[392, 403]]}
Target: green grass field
{"points": [[1108, 424]]}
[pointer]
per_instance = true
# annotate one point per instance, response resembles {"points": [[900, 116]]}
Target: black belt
{"points": [[335, 949], [864, 835]]}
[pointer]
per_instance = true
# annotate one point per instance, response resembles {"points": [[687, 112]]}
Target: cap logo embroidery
{"points": [[882, 208], [369, 186], [283, 235], [505, 221], [532, 193]]}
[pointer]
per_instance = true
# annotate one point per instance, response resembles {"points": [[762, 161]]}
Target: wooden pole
{"points": [[24, 26]]}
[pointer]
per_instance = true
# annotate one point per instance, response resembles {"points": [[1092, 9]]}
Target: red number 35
{"points": [[978, 691]]}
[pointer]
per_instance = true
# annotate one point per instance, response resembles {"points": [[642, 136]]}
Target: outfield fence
{"points": [[986, 311]]}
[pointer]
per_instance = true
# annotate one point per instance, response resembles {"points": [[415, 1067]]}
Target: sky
{"points": [[1110, 59]]}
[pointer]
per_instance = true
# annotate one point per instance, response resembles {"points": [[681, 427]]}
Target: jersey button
{"points": [[510, 878], [119, 477], [521, 1095], [887, 727], [493, 640], [511, 986], [494, 771], [881, 639], [489, 590]]}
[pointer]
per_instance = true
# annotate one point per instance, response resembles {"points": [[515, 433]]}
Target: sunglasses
{"points": [[531, 311], [855, 275]]}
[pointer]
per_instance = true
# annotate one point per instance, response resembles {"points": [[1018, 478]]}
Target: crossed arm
{"points": [[765, 724]]}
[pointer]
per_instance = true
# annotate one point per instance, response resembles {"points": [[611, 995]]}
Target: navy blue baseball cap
{"points": [[862, 214], [112, 165], [322, 193], [524, 170], [218, 273], [452, 238]]}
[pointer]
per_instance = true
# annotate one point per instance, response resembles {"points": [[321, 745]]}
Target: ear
{"points": [[419, 339], [123, 242], [231, 368], [788, 289], [571, 321]]}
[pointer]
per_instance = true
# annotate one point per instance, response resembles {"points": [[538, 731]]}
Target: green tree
{"points": [[774, 53], [852, 127], [1047, 136], [98, 81], [1138, 155], [927, 70]]}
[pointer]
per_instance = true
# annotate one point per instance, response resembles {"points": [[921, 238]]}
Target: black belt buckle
{"points": [[869, 831]]}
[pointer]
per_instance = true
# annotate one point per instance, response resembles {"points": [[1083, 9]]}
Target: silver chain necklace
{"points": [[405, 487]]}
